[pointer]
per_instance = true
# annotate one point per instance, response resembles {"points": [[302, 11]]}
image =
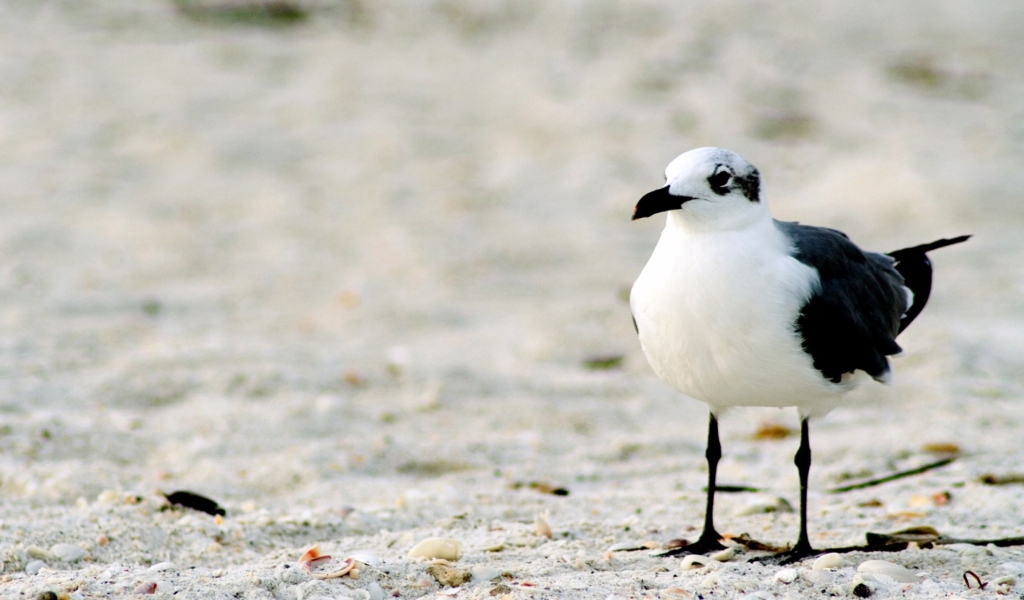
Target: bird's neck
{"points": [[694, 222]]}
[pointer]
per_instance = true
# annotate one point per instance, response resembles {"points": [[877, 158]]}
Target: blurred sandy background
{"points": [[360, 259]]}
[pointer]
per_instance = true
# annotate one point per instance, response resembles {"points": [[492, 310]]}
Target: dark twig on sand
{"points": [[967, 582], [873, 482]]}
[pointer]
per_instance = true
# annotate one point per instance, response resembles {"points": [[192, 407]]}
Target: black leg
{"points": [[709, 538], [803, 548], [803, 465]]}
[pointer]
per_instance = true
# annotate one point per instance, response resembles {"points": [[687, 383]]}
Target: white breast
{"points": [[716, 314]]}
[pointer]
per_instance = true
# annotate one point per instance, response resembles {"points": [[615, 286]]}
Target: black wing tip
{"points": [[924, 248]]}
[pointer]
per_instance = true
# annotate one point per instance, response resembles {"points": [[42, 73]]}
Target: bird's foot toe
{"points": [[788, 557], [704, 545]]}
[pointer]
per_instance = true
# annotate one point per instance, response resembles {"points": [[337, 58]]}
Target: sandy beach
{"points": [[358, 272]]}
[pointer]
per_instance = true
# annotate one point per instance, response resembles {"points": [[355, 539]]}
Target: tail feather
{"points": [[916, 269]]}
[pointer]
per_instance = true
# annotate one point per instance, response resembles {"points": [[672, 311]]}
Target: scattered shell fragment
{"points": [[696, 561], [941, 448], [485, 573], [676, 593], [723, 555], [937, 499], [603, 362], [146, 587], [921, 534], [993, 479], [829, 561], [437, 547], [67, 552], [818, 577], [450, 576], [313, 555], [102, 540], [541, 525], [773, 431], [541, 486], [899, 573], [162, 566], [34, 566], [787, 575], [348, 567]]}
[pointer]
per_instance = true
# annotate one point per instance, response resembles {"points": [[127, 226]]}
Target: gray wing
{"points": [[851, 321]]}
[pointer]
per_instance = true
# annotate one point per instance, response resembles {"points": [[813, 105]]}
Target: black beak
{"points": [[658, 201]]}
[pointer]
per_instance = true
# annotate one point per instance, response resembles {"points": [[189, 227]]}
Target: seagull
{"points": [[735, 308]]}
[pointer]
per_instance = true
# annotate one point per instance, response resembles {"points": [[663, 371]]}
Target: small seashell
{"points": [[311, 555], [437, 547], [67, 552], [163, 566], [543, 528], [146, 587], [102, 540], [348, 567], [818, 577], [898, 573], [723, 555], [1003, 585], [787, 575], [829, 561], [696, 561]]}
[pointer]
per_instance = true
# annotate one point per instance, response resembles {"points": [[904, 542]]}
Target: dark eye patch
{"points": [[719, 182]]}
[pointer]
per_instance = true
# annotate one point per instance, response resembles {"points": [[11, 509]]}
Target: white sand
{"points": [[342, 278]]}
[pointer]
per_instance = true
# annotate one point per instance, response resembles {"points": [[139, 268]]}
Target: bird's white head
{"points": [[708, 189]]}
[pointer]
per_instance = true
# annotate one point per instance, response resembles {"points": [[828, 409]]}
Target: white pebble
{"points": [[829, 561], [484, 573], [899, 573], [696, 561], [818, 577], [787, 575], [437, 547], [162, 566], [33, 567], [724, 555], [376, 592], [67, 552]]}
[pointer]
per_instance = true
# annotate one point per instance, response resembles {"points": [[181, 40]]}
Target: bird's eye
{"points": [[719, 182]]}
